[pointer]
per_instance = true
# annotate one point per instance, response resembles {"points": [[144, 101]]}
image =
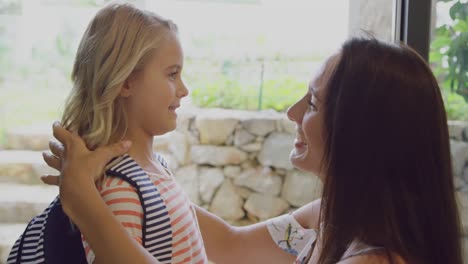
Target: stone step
{"points": [[19, 203], [8, 235], [22, 166], [34, 137]]}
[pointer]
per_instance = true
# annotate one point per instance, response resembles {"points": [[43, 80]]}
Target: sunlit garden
{"points": [[255, 74]]}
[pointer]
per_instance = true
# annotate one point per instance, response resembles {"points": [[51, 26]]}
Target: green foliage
{"points": [[449, 57], [282, 92], [278, 93], [224, 93], [455, 106], [249, 85]]}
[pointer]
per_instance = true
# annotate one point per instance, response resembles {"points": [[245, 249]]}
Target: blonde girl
{"points": [[127, 86]]}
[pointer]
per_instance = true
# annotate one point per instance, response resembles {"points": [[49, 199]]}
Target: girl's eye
{"points": [[173, 75]]}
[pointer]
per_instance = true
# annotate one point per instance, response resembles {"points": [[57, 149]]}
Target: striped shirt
{"points": [[184, 243]]}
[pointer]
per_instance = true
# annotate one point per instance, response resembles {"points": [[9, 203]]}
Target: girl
{"points": [[127, 86]]}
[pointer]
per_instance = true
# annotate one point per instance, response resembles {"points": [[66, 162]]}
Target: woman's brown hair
{"points": [[387, 157]]}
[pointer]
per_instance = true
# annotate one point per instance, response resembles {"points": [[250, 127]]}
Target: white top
{"points": [[291, 237]]}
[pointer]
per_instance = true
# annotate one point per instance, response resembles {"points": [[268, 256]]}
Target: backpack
{"points": [[52, 238]]}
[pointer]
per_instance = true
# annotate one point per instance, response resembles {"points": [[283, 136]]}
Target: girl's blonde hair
{"points": [[118, 42]]}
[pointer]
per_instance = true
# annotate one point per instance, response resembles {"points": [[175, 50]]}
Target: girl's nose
{"points": [[182, 91]]}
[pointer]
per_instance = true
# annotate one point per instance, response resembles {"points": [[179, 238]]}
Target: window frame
{"points": [[412, 24]]}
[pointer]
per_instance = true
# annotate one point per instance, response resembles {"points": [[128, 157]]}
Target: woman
{"points": [[372, 126]]}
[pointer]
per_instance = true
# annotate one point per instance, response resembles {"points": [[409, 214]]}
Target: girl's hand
{"points": [[79, 167]]}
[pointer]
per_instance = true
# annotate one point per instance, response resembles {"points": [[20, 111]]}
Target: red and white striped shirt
{"points": [[184, 240]]}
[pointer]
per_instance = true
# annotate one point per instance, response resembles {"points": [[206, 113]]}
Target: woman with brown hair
{"points": [[371, 125], [377, 133]]}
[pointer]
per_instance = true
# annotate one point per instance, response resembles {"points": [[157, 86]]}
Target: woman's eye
{"points": [[312, 104]]}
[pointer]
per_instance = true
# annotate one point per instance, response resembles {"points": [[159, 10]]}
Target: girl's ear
{"points": [[126, 90], [130, 85]]}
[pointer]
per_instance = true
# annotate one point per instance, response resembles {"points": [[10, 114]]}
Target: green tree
{"points": [[450, 49]]}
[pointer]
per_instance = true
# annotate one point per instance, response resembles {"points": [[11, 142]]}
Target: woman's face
{"points": [[308, 115]]}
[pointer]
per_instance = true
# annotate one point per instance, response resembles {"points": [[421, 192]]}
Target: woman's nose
{"points": [[294, 111], [289, 113]]}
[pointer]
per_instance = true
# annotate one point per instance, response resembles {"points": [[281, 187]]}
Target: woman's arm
{"points": [[249, 244], [228, 244], [82, 202]]}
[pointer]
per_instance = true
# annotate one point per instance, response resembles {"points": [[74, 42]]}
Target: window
{"points": [[246, 54], [449, 55]]}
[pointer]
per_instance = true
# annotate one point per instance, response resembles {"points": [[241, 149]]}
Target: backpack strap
{"points": [[30, 246], [62, 238], [15, 252], [156, 225], [161, 160]]}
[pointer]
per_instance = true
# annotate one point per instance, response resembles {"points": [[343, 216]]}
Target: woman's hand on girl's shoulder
{"points": [[78, 166]]}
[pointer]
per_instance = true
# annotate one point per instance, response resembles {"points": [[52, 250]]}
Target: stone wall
{"points": [[236, 163], [459, 147]]}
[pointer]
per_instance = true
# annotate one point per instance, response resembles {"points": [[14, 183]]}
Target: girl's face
{"points": [[308, 114], [154, 93]]}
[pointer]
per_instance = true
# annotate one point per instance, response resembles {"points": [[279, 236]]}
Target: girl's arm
{"points": [[110, 242], [82, 202]]}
